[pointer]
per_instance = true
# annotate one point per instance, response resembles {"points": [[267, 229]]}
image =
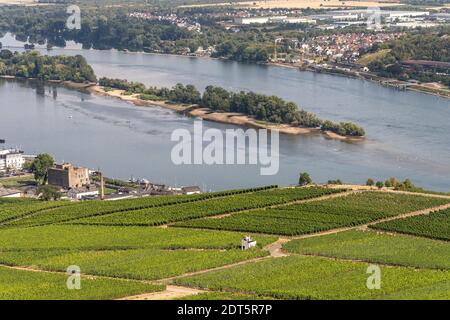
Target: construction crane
{"points": [[277, 40]]}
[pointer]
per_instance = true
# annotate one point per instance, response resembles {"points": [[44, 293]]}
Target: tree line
{"points": [[112, 28], [432, 47], [265, 108], [35, 65]]}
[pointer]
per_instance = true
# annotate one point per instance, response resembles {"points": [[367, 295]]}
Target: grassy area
{"points": [[436, 225], [102, 237], [15, 182], [20, 284], [378, 248], [299, 277], [110, 190], [141, 264], [370, 57], [217, 206], [320, 215]]}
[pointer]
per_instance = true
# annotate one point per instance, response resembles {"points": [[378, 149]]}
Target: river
{"points": [[408, 133]]}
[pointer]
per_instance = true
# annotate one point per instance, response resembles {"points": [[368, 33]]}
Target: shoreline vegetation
{"points": [[215, 104], [219, 105]]}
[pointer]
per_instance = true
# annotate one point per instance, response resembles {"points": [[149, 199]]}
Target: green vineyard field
{"points": [[321, 215], [18, 209], [234, 203], [299, 277], [382, 248], [108, 238], [94, 208], [29, 285], [436, 225]]}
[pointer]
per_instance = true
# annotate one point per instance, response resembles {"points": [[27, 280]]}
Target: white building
{"points": [[257, 20], [191, 190], [83, 193], [11, 159], [272, 19], [247, 243]]}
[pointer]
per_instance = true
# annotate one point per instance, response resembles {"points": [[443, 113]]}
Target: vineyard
{"points": [[95, 208], [68, 237], [436, 225], [319, 215], [300, 277], [216, 206], [139, 264], [133, 252], [17, 209], [53, 286], [130, 247], [377, 248]]}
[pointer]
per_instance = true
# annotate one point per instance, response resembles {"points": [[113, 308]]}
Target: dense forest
{"points": [[34, 65], [431, 47], [264, 108], [107, 28]]}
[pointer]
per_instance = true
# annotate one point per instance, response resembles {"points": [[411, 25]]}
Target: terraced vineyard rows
{"points": [[320, 215], [17, 209], [76, 237], [29, 285], [126, 252], [139, 264], [313, 269], [163, 215], [93, 208], [436, 225], [300, 277], [377, 247]]}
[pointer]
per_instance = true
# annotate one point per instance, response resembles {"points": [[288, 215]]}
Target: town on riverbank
{"points": [[387, 42], [32, 176]]}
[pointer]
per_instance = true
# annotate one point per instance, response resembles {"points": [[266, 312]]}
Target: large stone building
{"points": [[11, 160], [67, 176]]}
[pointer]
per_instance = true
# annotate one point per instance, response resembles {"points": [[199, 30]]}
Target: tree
{"points": [[379, 184], [48, 193], [408, 184], [393, 182], [304, 179], [40, 167], [370, 182]]}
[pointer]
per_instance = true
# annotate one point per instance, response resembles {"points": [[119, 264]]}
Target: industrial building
{"points": [[272, 19]]}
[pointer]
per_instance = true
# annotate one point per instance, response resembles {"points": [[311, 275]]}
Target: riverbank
{"points": [[421, 88], [387, 82], [221, 117]]}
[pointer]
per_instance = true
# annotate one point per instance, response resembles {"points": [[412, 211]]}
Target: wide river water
{"points": [[408, 133]]}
